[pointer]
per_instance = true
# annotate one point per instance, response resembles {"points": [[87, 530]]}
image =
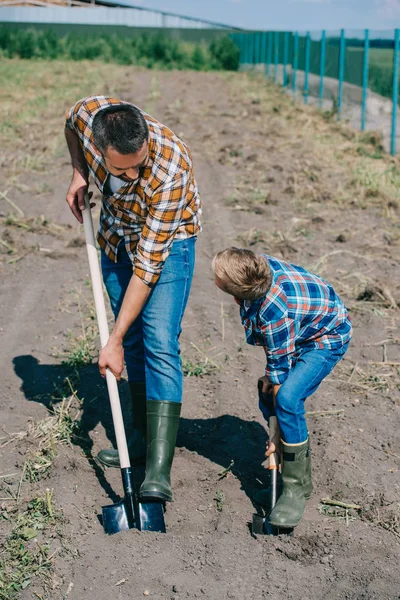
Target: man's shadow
{"points": [[221, 440]]}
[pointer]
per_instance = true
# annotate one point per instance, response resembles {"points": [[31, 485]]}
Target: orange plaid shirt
{"points": [[149, 213]]}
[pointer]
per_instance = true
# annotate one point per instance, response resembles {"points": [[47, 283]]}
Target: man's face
{"points": [[126, 166]]}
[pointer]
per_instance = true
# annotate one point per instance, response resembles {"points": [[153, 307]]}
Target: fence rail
{"points": [[368, 60]]}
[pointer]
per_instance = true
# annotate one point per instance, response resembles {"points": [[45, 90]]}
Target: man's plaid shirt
{"points": [[149, 213], [300, 310]]}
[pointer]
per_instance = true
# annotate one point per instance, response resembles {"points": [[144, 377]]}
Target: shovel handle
{"points": [[104, 333], [273, 430]]}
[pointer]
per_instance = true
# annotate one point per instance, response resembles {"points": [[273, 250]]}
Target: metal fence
{"points": [[353, 73]]}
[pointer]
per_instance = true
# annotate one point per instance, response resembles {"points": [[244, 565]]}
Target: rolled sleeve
{"points": [[163, 219], [279, 345], [70, 119]]}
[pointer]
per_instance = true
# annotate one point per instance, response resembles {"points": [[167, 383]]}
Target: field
{"points": [[274, 176], [380, 69]]}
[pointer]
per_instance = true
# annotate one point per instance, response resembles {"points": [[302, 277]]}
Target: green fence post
{"points": [[285, 57], [295, 62], [307, 66], [260, 47], [395, 90], [365, 81], [342, 57], [269, 53], [256, 47], [276, 54], [322, 68], [264, 47]]}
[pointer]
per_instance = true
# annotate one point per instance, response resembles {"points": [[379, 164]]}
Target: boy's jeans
{"points": [[151, 345], [310, 368]]}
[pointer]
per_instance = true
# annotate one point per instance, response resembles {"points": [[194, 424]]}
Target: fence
{"points": [[360, 67]]}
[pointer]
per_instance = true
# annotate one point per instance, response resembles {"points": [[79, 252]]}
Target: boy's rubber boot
{"points": [[289, 509], [162, 429], [308, 486], [263, 496], [137, 440]]}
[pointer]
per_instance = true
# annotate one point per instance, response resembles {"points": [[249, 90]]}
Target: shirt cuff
{"points": [[150, 279]]}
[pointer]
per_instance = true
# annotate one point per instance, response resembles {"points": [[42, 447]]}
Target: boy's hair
{"points": [[122, 127], [243, 273]]}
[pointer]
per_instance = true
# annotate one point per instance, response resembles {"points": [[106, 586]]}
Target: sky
{"points": [[288, 14]]}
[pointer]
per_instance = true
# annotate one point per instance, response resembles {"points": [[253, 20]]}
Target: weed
{"points": [[22, 558], [192, 369], [219, 500], [59, 428]]}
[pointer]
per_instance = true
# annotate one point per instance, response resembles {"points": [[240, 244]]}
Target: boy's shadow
{"points": [[220, 440]]}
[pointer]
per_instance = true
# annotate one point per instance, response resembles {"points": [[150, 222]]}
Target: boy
{"points": [[305, 330]]}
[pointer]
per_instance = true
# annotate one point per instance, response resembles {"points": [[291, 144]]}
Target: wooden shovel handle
{"points": [[104, 333], [273, 429]]}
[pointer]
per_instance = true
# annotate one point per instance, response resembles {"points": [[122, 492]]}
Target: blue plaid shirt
{"points": [[301, 310]]}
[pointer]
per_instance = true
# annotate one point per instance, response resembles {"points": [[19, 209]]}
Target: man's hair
{"points": [[123, 127], [243, 273]]}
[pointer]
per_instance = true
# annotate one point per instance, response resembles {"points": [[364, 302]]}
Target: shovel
{"points": [[128, 513], [260, 523]]}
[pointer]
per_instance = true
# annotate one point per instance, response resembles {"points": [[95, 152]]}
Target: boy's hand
{"points": [[267, 386]]}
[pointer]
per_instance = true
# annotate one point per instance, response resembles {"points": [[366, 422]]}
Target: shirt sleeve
{"points": [[71, 114], [279, 345], [163, 219]]}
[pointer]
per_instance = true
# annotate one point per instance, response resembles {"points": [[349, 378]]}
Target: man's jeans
{"points": [[310, 368], [151, 345]]}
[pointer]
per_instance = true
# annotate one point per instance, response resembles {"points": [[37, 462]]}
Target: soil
{"points": [[269, 179]]}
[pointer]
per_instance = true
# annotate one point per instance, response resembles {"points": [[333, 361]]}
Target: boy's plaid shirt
{"points": [[149, 213], [301, 310]]}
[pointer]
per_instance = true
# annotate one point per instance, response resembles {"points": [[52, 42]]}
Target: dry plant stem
{"points": [[324, 413], [7, 199], [214, 364], [340, 504]]}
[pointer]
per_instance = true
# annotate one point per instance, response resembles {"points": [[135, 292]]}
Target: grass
{"points": [[380, 69], [24, 556], [146, 50]]}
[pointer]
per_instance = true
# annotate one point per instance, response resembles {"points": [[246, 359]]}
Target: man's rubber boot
{"points": [[291, 504], [162, 429], [137, 439], [263, 497]]}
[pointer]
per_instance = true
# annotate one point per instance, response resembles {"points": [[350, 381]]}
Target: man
{"points": [[149, 221]]}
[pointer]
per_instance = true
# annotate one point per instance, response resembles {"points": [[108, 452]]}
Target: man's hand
{"points": [[112, 357], [76, 195]]}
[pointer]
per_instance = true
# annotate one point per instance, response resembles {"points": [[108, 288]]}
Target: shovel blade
{"points": [[151, 516], [117, 517], [262, 526]]}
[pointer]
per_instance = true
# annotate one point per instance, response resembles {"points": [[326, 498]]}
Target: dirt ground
{"points": [[275, 177]]}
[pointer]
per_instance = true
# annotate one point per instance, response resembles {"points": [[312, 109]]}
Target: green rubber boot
{"points": [[137, 439], [308, 486], [162, 429], [291, 504]]}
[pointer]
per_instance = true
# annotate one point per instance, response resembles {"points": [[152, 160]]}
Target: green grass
{"points": [[147, 50], [380, 70], [23, 556]]}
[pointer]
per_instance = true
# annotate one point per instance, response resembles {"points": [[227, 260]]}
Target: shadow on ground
{"points": [[221, 439]]}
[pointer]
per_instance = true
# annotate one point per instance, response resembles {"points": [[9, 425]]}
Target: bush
{"points": [[225, 53], [148, 50]]}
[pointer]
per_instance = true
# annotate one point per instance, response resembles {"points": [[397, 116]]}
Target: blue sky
{"points": [[288, 14]]}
